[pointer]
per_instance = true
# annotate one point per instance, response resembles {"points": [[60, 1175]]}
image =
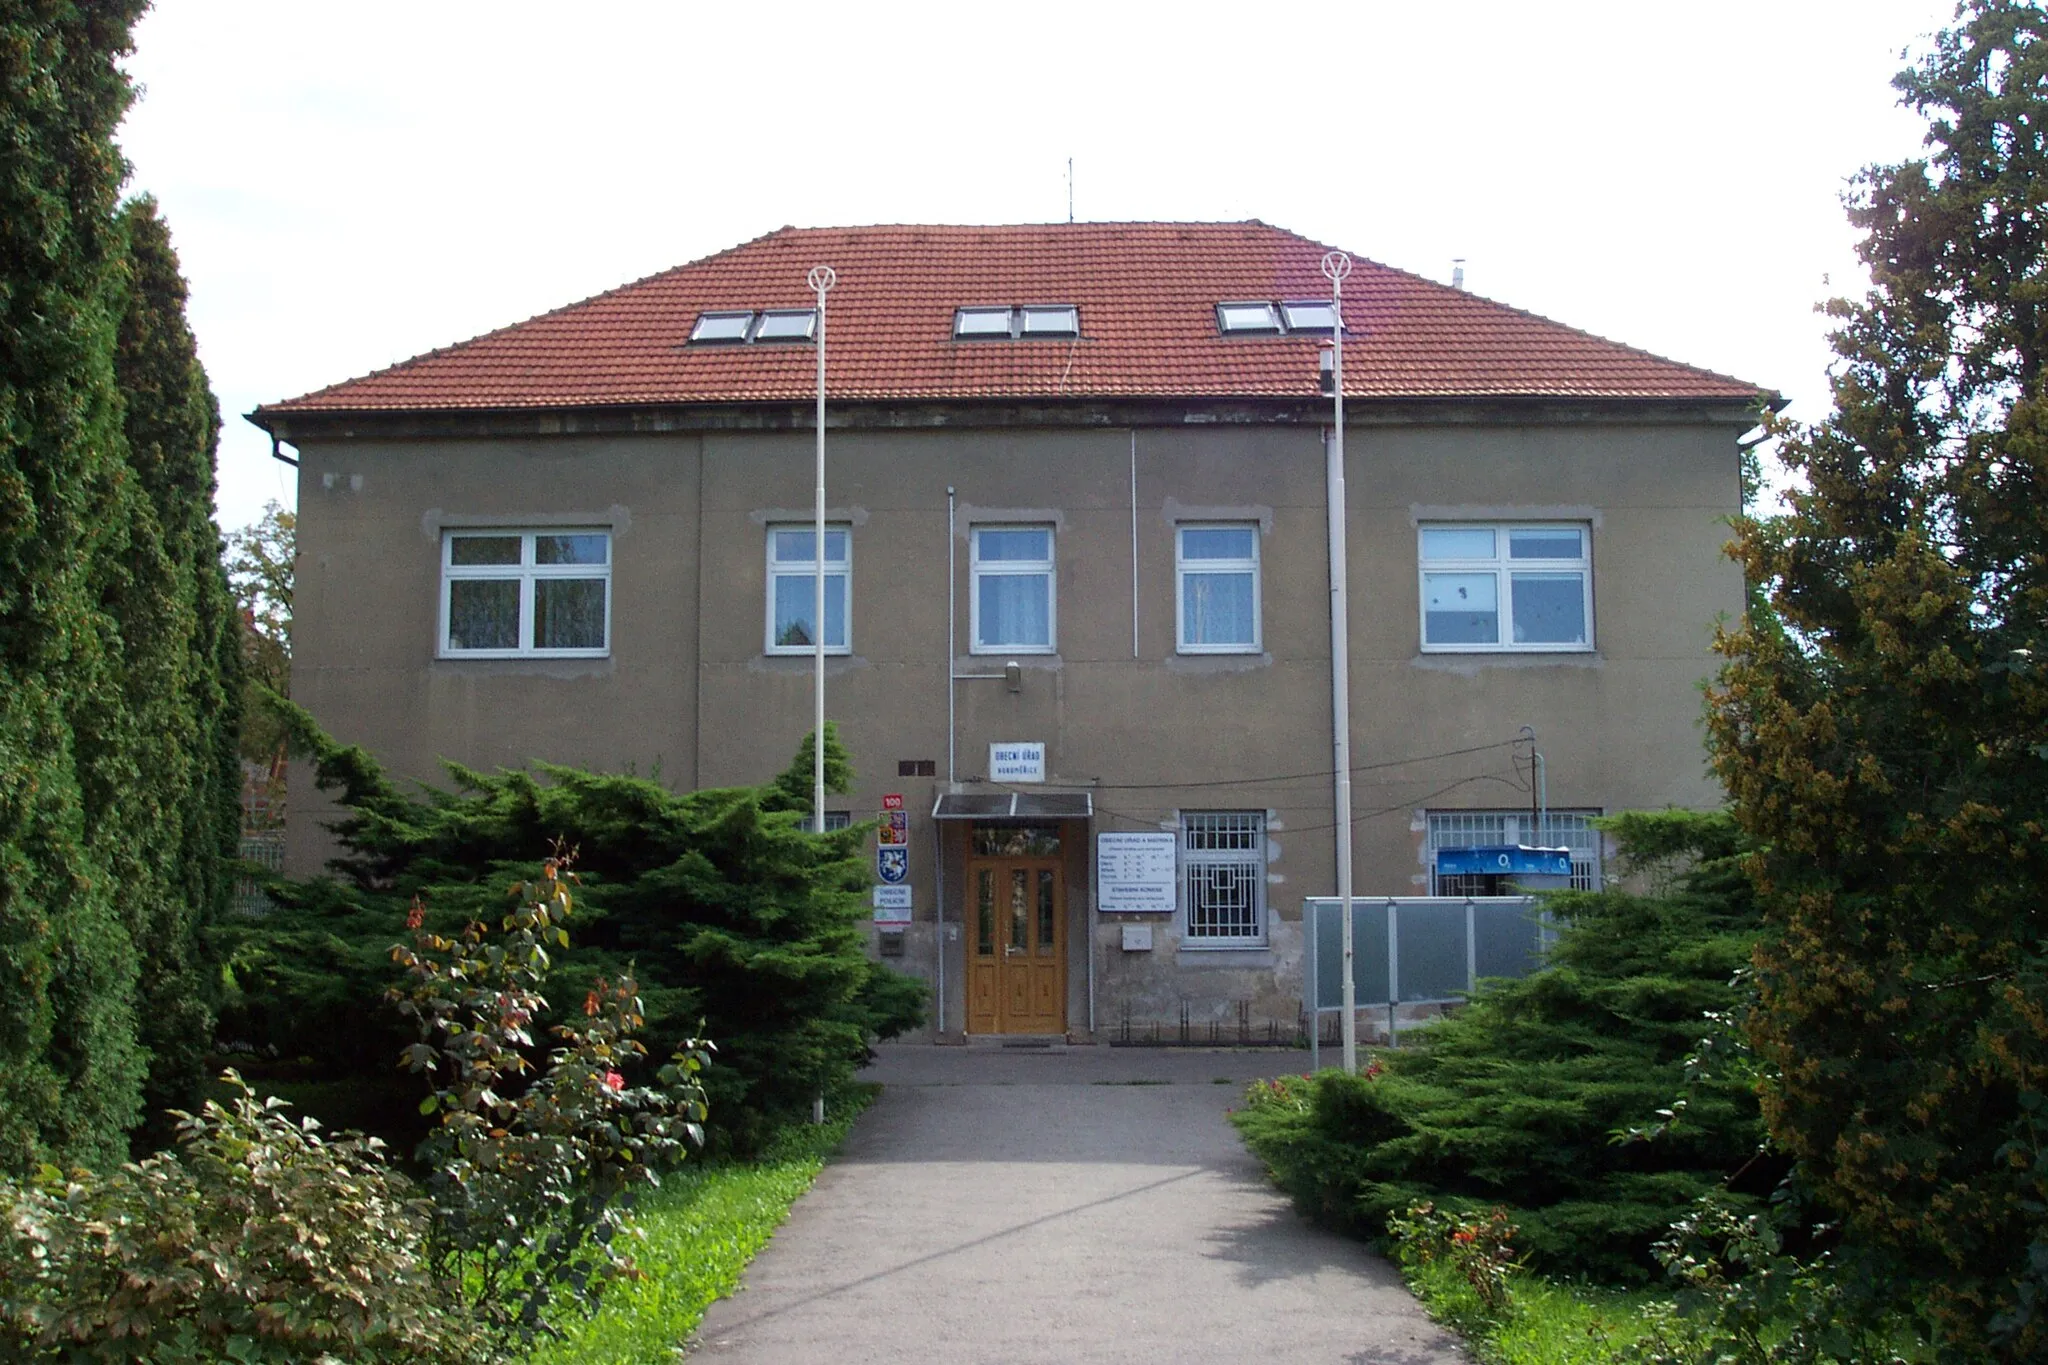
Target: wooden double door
{"points": [[1016, 920]]}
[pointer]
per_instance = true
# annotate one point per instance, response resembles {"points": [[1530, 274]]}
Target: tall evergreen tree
{"points": [[175, 824], [70, 1071], [1883, 725]]}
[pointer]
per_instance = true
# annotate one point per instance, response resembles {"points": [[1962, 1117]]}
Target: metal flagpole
{"points": [[1336, 265], [821, 279]]}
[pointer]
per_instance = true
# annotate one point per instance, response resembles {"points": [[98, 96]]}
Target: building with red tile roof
{"points": [[1146, 293], [1078, 613]]}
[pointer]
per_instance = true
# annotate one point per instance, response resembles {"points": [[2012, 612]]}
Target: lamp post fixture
{"points": [[821, 279], [1337, 265]]}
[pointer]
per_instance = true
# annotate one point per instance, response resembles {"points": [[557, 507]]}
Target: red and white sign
{"points": [[893, 801]]}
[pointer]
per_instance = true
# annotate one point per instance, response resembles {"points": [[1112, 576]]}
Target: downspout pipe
{"points": [[938, 830]]}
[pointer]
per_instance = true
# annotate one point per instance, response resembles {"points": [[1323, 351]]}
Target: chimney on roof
{"points": [[1457, 272]]}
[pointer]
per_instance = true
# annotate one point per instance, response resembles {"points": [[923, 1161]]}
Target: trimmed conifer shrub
{"points": [[1525, 1098], [738, 923], [70, 1069], [166, 774]]}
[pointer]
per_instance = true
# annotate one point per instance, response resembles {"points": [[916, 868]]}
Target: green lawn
{"points": [[696, 1235], [1548, 1323]]}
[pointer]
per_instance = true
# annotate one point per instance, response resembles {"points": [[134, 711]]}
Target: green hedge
{"points": [[739, 924], [1523, 1098]]}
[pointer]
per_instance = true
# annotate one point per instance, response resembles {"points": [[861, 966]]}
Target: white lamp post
{"points": [[821, 279], [1336, 265]]}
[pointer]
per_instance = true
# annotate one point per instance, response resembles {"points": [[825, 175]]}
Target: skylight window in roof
{"points": [[981, 322], [1248, 319], [786, 324], [1056, 320], [1310, 315], [726, 327]]}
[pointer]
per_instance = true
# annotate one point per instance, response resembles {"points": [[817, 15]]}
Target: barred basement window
{"points": [[1223, 878], [1483, 828]]}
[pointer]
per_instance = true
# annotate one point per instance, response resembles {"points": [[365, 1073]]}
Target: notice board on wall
{"points": [[1134, 873]]}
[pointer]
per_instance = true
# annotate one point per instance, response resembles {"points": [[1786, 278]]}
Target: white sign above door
{"points": [[1017, 761]]}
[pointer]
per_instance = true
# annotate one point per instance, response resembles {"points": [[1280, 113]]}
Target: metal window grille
{"points": [[1477, 828], [263, 849], [1223, 876]]}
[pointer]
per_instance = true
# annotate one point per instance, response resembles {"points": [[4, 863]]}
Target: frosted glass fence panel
{"points": [[1430, 939], [1325, 965], [1439, 947], [1507, 937]]}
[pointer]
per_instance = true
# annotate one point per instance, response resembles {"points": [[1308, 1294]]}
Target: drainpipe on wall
{"points": [[938, 830]]}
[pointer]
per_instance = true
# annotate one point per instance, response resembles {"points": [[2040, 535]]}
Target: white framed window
{"points": [[512, 594], [1049, 320], [1317, 316], [793, 588], [1223, 879], [1216, 572], [1511, 587], [987, 323], [838, 819], [982, 322], [1012, 596], [1572, 829], [786, 324], [721, 328]]}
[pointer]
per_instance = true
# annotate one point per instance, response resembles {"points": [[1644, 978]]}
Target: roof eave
{"points": [[294, 424]]}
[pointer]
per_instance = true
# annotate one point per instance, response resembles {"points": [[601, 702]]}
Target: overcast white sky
{"points": [[351, 184]]}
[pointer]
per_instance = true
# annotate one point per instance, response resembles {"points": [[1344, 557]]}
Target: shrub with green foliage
{"points": [[1742, 1297], [727, 911], [1524, 1098], [255, 1241]]}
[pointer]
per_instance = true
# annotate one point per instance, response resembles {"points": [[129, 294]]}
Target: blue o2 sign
{"points": [[1504, 860]]}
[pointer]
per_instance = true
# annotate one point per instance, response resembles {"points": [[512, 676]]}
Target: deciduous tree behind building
{"points": [[1882, 722]]}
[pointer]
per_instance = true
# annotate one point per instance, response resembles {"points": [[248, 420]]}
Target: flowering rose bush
{"points": [[534, 1170], [1478, 1248]]}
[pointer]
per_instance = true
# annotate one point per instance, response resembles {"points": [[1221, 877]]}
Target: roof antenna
{"points": [[1070, 189], [1457, 272]]}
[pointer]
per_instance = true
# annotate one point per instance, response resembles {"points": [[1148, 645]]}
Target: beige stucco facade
{"points": [[687, 689]]}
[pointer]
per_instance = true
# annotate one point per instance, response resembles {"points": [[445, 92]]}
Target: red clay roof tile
{"points": [[1147, 294]]}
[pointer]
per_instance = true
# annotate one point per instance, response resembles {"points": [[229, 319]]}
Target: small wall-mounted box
{"points": [[1137, 938]]}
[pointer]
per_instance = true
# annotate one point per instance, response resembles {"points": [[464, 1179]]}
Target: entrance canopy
{"points": [[1015, 806]]}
